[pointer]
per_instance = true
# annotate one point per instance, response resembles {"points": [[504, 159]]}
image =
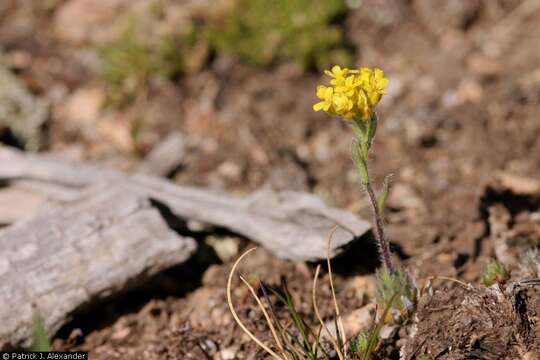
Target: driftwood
{"points": [[27, 203], [165, 156], [292, 225], [67, 256]]}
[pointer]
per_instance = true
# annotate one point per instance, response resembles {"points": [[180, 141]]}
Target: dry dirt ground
{"points": [[459, 130]]}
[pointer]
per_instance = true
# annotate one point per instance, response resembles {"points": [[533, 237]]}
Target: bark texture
{"points": [[164, 157], [293, 225], [67, 256]]}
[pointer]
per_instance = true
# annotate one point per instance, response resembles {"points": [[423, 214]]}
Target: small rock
{"points": [[209, 346], [354, 322], [121, 334], [230, 170], [82, 109], [470, 90], [116, 129], [228, 353], [387, 331], [226, 247], [518, 184], [364, 286]]}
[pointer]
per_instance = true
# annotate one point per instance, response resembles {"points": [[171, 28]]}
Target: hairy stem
{"points": [[382, 242]]}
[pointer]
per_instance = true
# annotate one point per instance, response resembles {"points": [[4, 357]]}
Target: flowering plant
{"points": [[353, 95]]}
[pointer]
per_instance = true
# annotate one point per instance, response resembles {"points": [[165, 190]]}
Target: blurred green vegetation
{"points": [[359, 344], [391, 283], [261, 32], [258, 32], [494, 272], [131, 60]]}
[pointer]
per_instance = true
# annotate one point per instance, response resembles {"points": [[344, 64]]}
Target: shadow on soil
{"points": [[361, 256], [174, 282]]}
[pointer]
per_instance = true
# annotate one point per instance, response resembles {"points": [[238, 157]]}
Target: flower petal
{"points": [[319, 106]]}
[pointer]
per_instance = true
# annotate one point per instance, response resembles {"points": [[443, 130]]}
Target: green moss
{"points": [[262, 32]]}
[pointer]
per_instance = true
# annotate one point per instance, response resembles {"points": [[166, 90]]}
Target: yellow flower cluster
{"points": [[353, 94]]}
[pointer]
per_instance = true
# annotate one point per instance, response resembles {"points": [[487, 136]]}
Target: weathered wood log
{"points": [[26, 204], [292, 225], [165, 156], [69, 255]]}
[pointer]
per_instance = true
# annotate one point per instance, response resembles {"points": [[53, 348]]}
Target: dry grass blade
{"points": [[266, 316], [333, 340], [283, 329], [339, 326], [235, 315], [442, 277], [374, 333]]}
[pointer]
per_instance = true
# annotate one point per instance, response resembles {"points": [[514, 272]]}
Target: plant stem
{"points": [[382, 242]]}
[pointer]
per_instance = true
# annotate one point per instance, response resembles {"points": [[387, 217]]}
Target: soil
{"points": [[468, 323], [460, 115]]}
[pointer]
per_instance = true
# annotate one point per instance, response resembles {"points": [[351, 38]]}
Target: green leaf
{"points": [[371, 129], [40, 337], [358, 156], [360, 129], [364, 132], [373, 337], [391, 283], [383, 196], [359, 343]]}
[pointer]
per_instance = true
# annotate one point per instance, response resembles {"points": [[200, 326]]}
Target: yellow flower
{"points": [[325, 94], [374, 83], [353, 94], [339, 75], [363, 105]]}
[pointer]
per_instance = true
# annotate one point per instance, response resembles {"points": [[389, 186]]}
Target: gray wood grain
{"points": [[67, 256], [293, 225], [165, 156]]}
